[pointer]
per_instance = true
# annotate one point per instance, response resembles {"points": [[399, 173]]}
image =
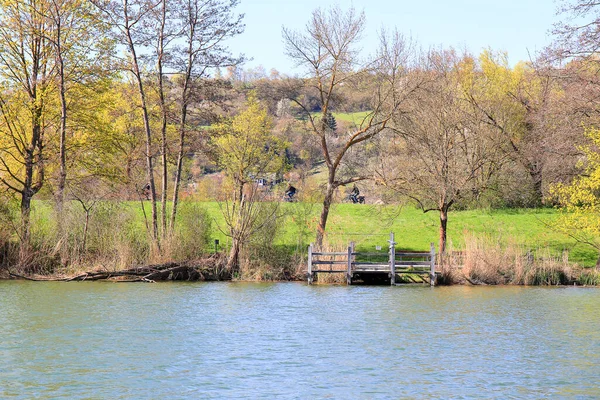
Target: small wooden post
{"points": [[392, 259], [310, 257], [349, 272], [432, 261]]}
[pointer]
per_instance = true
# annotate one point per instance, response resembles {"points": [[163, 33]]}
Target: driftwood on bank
{"points": [[209, 269]]}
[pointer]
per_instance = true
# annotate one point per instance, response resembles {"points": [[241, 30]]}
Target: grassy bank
{"points": [[117, 237], [369, 226]]}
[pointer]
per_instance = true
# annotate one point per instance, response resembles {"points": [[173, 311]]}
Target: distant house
{"points": [[269, 179]]}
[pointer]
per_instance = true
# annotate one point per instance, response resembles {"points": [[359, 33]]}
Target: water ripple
{"points": [[292, 341]]}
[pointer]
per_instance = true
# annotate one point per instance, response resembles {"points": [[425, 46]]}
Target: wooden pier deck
{"points": [[360, 266]]}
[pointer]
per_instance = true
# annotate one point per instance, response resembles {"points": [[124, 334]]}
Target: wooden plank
{"points": [[330, 254], [349, 266], [363, 266], [310, 271], [432, 274], [421, 263], [373, 270], [392, 260], [422, 273], [329, 271], [427, 254], [334, 262], [371, 263]]}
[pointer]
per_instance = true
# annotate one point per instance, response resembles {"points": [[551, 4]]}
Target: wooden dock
{"points": [[364, 265]]}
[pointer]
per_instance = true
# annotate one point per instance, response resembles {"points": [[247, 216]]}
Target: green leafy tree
{"points": [[26, 75], [580, 200], [331, 122], [246, 150]]}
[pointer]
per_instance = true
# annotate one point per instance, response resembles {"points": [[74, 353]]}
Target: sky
{"points": [[518, 27]]}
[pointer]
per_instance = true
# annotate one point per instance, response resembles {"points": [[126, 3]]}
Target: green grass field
{"points": [[369, 226], [356, 117]]}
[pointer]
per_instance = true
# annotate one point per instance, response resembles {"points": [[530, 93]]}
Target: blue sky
{"points": [[514, 26]]}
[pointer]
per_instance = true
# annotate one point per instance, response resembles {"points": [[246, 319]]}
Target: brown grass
{"points": [[485, 260], [334, 277]]}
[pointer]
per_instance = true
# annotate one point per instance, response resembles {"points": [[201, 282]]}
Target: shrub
{"points": [[191, 236]]}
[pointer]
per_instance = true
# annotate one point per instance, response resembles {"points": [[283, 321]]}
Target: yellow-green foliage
{"points": [[580, 201], [245, 146]]}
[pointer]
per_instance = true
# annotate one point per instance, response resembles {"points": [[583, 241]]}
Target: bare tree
{"points": [[327, 49], [577, 35], [440, 151], [205, 26], [129, 19], [522, 106]]}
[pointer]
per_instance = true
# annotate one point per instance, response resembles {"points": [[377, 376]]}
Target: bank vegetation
{"points": [[107, 104]]}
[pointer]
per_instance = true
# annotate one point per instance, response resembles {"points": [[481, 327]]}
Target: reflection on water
{"points": [[289, 340]]}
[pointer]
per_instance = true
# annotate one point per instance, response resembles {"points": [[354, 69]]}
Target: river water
{"points": [[84, 340]]}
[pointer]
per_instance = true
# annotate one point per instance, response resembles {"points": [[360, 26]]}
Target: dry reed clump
{"points": [[335, 277], [8, 247], [113, 238], [486, 261], [449, 266], [258, 270], [262, 259], [589, 277]]}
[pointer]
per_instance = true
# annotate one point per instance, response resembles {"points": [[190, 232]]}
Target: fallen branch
{"points": [[205, 269]]}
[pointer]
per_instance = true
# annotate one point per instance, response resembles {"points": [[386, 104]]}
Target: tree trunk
{"points": [[233, 262], [163, 128], [149, 163], [178, 168], [85, 231], [325, 213], [536, 177], [62, 176], [26, 196], [180, 152], [443, 229], [34, 168], [237, 226]]}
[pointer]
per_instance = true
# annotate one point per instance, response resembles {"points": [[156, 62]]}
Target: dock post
{"points": [[392, 259], [349, 272], [309, 270], [432, 261]]}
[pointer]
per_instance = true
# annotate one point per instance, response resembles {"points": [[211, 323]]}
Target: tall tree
{"points": [[327, 49], [580, 200], [130, 20], [245, 148], [165, 31], [521, 105], [81, 50], [440, 150], [205, 26], [26, 60]]}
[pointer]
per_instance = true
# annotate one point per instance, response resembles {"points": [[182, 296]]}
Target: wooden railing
{"points": [[353, 264]]}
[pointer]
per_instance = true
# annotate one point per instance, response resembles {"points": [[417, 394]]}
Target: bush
{"points": [[192, 234], [115, 238]]}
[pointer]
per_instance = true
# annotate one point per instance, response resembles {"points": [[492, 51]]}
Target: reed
{"points": [[589, 277], [335, 277], [491, 261]]}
